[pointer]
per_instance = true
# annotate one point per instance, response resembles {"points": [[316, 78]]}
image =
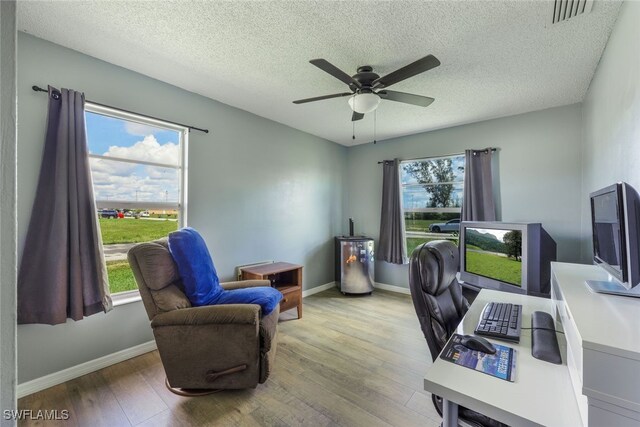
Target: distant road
{"points": [[151, 219], [117, 252]]}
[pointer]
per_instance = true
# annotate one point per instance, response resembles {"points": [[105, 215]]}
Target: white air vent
{"points": [[566, 9]]}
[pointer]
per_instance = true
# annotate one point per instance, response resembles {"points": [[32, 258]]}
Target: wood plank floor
{"points": [[350, 361]]}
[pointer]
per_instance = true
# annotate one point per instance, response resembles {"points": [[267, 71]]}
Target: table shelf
{"points": [[285, 277]]}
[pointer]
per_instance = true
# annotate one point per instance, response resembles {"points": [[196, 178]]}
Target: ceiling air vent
{"points": [[566, 9]]}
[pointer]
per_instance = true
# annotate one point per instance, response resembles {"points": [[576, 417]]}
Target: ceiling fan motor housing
{"points": [[365, 77]]}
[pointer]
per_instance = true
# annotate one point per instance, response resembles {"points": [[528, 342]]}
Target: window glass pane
{"points": [[109, 136], [127, 192], [432, 198], [426, 196], [446, 169], [415, 241], [419, 222], [123, 228], [124, 181]]}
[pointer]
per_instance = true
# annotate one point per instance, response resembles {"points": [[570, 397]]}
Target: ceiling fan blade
{"points": [[356, 116], [336, 72], [320, 98], [420, 66], [407, 98]]}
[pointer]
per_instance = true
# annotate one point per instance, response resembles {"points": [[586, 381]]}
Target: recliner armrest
{"points": [[248, 314], [269, 329], [244, 284]]}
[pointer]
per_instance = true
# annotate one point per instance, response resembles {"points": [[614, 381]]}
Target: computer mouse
{"points": [[478, 344]]}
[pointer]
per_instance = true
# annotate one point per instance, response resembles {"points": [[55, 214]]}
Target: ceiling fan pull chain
{"points": [[375, 124], [353, 131]]}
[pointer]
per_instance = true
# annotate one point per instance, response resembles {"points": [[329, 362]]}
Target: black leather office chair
{"points": [[437, 298]]}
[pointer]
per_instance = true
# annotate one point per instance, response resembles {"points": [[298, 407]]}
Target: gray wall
{"points": [[611, 116], [538, 174], [8, 208], [257, 190], [260, 190]]}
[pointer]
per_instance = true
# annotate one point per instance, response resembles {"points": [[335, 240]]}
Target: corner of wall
{"points": [[8, 208]]}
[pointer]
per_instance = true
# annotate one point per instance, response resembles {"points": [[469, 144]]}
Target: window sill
{"points": [[123, 298]]}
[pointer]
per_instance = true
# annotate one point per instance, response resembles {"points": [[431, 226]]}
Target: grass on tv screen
{"points": [[496, 254]]}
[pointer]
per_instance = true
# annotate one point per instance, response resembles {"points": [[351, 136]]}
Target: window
{"points": [[138, 169], [432, 198]]}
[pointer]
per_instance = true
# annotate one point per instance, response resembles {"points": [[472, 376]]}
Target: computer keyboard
{"points": [[501, 321]]}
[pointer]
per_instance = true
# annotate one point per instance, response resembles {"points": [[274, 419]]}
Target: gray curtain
{"points": [[392, 247], [63, 273], [478, 202]]}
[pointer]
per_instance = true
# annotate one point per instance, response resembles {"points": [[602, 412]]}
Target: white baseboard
{"points": [[60, 377], [384, 286], [392, 288], [317, 289]]}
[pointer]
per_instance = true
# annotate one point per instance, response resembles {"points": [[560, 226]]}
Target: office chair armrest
{"points": [[234, 314], [244, 284]]}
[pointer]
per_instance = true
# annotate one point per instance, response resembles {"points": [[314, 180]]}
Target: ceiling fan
{"points": [[367, 87]]}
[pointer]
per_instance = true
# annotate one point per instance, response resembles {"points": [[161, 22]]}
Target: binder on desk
{"points": [[501, 365]]}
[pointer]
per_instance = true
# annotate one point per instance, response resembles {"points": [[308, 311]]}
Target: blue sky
{"points": [[104, 131], [116, 180]]}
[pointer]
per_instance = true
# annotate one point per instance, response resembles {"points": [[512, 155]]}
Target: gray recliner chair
{"points": [[203, 349], [440, 306]]}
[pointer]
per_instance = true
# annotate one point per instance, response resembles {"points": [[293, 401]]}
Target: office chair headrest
{"points": [[437, 264]]}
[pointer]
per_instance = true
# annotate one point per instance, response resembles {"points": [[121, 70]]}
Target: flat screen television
{"points": [[615, 228], [507, 256]]}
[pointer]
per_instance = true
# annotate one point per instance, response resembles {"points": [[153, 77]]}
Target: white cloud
{"points": [[115, 180], [498, 234], [148, 150]]}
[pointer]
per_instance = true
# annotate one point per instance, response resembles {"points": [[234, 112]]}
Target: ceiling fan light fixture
{"points": [[364, 103]]}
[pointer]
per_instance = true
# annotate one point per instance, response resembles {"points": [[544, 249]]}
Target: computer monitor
{"points": [[507, 256], [615, 229]]}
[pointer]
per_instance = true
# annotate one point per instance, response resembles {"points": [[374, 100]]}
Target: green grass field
{"points": [[120, 277], [494, 266], [126, 230], [129, 231]]}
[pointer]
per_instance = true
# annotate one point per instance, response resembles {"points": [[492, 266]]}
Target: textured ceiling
{"points": [[498, 58]]}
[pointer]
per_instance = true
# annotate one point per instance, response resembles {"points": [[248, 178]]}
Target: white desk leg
{"points": [[449, 413]]}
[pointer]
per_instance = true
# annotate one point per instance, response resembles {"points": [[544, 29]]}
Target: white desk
{"points": [[603, 346], [542, 393]]}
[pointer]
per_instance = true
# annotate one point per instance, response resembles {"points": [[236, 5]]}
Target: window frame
{"points": [[420, 234], [126, 297]]}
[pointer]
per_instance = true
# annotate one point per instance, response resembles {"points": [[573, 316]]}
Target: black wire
{"points": [[375, 123], [546, 329]]}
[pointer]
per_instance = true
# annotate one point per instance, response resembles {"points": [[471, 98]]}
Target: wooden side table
{"points": [[285, 277]]}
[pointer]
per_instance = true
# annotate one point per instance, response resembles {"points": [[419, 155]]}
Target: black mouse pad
{"points": [[501, 365]]}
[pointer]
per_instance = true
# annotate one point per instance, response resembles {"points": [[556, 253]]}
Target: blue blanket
{"points": [[200, 279]]}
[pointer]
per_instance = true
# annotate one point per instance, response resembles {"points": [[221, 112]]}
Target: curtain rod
{"points": [[493, 150], [39, 89]]}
